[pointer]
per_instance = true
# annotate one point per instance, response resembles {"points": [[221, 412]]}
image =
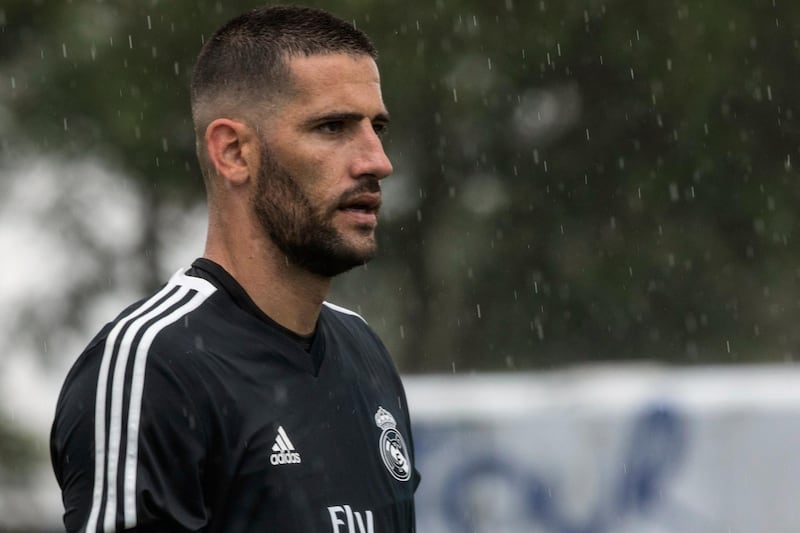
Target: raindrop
{"points": [[478, 308], [64, 50], [130, 41], [66, 126], [537, 325], [149, 23], [455, 95], [673, 192]]}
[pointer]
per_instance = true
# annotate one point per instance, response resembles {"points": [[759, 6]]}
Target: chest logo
{"points": [[283, 451], [392, 447]]}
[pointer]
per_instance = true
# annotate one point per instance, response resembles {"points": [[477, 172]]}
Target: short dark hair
{"points": [[245, 61]]}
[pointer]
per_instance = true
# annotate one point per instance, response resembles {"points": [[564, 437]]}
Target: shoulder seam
{"points": [[343, 310], [201, 285]]}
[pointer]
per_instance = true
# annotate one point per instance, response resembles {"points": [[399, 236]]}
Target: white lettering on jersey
{"points": [[351, 520]]}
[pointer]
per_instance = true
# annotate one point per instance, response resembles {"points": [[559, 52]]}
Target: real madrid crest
{"points": [[392, 446]]}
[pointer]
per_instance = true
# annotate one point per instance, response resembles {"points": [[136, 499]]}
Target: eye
{"points": [[381, 128], [332, 126]]}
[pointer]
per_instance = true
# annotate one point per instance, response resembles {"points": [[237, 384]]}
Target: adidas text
{"points": [[283, 450], [284, 458]]}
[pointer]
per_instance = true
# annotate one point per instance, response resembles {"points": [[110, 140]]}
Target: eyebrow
{"points": [[380, 117]]}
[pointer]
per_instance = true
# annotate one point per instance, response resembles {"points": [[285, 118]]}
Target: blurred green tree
{"points": [[577, 181]]}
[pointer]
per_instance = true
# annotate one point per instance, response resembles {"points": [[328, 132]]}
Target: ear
{"points": [[232, 150]]}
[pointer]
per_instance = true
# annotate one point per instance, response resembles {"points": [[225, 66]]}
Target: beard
{"points": [[304, 234]]}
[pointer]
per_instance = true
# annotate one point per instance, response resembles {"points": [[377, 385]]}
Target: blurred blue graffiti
{"points": [[655, 450]]}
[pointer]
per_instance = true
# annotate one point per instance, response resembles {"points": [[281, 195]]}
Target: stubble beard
{"points": [[306, 236]]}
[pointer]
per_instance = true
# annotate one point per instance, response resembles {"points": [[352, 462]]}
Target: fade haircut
{"points": [[245, 63]]}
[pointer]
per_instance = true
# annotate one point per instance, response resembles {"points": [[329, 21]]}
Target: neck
{"points": [[289, 295]]}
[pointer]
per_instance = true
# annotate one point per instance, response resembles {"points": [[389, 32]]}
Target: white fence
{"points": [[609, 450]]}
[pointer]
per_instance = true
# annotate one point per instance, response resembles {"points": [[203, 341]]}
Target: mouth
{"points": [[365, 203], [361, 210]]}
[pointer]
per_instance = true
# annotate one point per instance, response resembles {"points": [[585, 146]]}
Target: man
{"points": [[236, 399]]}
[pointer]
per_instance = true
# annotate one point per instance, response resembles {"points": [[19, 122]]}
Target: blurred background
{"points": [[583, 192]]}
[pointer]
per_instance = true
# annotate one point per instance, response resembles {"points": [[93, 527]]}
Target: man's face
{"points": [[318, 190]]}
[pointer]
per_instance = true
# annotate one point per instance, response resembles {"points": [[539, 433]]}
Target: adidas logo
{"points": [[284, 452]]}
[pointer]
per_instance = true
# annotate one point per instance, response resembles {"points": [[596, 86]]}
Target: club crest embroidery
{"points": [[392, 446]]}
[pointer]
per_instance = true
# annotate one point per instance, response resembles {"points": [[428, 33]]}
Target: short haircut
{"points": [[244, 64]]}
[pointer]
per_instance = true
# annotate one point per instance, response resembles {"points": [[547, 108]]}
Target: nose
{"points": [[370, 159]]}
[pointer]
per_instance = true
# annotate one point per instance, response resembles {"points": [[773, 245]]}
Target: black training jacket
{"points": [[193, 411]]}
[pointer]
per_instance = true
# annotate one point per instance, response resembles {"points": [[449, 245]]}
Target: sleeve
{"points": [[127, 446]]}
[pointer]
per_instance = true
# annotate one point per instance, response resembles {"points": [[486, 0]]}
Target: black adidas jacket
{"points": [[193, 411]]}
